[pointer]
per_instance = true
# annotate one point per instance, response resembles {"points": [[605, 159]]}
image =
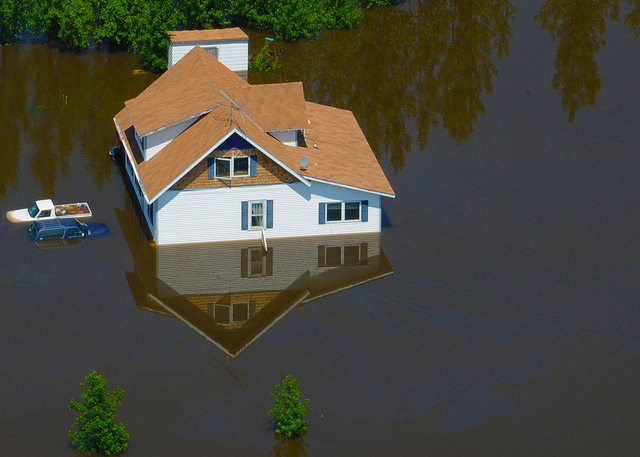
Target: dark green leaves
{"points": [[96, 430], [288, 411]]}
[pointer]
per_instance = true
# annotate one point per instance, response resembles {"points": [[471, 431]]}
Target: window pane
{"points": [[223, 168], [333, 256], [223, 315], [74, 232], [334, 212], [241, 166], [352, 211], [257, 262], [240, 312], [352, 255], [257, 211]]}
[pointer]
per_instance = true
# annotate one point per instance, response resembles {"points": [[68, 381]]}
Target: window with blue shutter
{"points": [[269, 214], [257, 214], [253, 165], [343, 212], [245, 215]]}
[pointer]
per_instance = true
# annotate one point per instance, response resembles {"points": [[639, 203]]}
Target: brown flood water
{"points": [[497, 313]]}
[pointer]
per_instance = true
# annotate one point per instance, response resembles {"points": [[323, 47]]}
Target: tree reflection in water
{"points": [[289, 447], [413, 67], [579, 27]]}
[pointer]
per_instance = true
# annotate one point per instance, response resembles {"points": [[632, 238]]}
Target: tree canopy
{"points": [[141, 25]]}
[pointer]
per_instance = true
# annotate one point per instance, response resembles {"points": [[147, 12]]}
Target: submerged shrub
{"points": [[288, 410], [97, 431], [265, 60]]}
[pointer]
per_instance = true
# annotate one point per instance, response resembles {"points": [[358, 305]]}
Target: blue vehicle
{"points": [[54, 230]]}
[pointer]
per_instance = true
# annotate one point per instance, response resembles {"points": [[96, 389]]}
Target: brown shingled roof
{"points": [[343, 155], [199, 84], [193, 36], [191, 87], [273, 106]]}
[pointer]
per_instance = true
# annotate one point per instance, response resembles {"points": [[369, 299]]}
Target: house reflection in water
{"points": [[232, 293]]}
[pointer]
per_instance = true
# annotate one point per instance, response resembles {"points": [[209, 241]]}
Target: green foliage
{"points": [[96, 430], [342, 14], [287, 19], [141, 25], [12, 20], [288, 410], [264, 60]]}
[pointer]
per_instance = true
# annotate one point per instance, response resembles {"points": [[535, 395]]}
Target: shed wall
{"points": [[233, 54]]}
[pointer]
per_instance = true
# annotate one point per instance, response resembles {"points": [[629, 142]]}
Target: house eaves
{"points": [[347, 186], [130, 155]]}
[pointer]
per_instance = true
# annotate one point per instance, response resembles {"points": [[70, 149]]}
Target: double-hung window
{"points": [[257, 214], [255, 262], [343, 211], [333, 256], [232, 167]]}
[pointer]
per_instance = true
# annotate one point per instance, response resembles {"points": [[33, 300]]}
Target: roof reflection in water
{"points": [[232, 293]]}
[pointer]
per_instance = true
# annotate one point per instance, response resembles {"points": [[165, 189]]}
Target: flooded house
{"points": [[233, 293], [213, 158]]}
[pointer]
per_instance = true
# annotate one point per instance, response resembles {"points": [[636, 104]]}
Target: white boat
{"points": [[46, 209]]}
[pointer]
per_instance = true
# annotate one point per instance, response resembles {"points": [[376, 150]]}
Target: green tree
{"points": [[12, 20], [288, 410], [97, 431]]}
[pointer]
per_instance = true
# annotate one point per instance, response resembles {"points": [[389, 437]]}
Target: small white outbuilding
{"points": [[230, 46]]}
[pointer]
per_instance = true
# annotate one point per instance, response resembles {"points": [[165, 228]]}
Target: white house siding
{"points": [[211, 215], [155, 142], [288, 137], [137, 190], [233, 54]]}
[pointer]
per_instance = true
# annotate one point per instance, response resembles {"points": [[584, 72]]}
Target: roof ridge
{"points": [[239, 108]]}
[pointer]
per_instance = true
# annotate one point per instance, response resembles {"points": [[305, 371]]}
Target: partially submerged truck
{"points": [[46, 209]]}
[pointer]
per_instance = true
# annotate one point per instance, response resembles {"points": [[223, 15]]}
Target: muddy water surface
{"points": [[510, 132]]}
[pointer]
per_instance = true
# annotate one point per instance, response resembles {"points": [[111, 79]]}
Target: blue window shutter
{"points": [[244, 262], [253, 165], [210, 165], [245, 216], [364, 210], [269, 214], [270, 261], [321, 212]]}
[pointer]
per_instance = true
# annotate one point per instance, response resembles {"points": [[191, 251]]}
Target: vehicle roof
{"points": [[56, 223], [45, 204]]}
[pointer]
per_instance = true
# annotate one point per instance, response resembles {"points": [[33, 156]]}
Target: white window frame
{"points": [[262, 262], [342, 255], [343, 206], [232, 173], [230, 309], [250, 215]]}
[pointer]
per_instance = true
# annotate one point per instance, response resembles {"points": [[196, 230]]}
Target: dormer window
{"points": [[233, 167]]}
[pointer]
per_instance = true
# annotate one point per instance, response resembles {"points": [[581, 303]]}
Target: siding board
{"points": [[210, 215]]}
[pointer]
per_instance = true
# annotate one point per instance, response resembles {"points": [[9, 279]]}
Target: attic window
{"points": [[233, 167]]}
